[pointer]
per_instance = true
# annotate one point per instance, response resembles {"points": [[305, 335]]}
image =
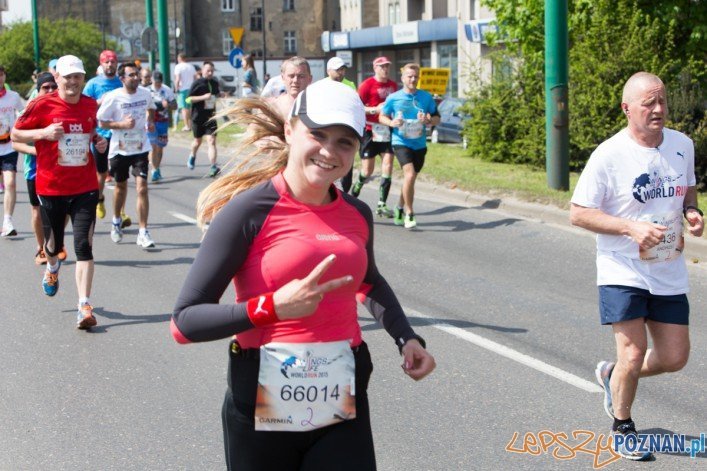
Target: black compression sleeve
{"points": [[198, 315]]}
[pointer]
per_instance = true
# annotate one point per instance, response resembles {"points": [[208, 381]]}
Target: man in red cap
{"points": [[96, 88], [376, 141]]}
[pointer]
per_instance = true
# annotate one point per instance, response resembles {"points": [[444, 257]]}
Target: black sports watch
{"points": [[401, 341], [687, 208]]}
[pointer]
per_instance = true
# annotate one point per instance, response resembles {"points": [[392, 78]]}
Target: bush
{"points": [[610, 40]]}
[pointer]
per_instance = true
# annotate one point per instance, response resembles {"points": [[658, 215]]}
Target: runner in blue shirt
{"points": [[408, 111]]}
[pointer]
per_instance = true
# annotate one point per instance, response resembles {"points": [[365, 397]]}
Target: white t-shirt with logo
{"points": [[10, 105], [627, 180], [186, 72], [118, 104]]}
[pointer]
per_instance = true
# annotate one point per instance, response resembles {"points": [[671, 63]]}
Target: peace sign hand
{"points": [[300, 298]]}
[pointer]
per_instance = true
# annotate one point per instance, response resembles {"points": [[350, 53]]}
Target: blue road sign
{"points": [[235, 58]]}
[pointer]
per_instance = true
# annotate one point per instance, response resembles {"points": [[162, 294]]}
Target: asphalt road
{"points": [[507, 306]]}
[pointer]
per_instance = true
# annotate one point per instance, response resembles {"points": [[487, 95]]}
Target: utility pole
{"points": [[265, 54], [556, 95], [163, 38], [150, 19], [35, 34]]}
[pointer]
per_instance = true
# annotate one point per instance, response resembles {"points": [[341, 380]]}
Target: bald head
{"points": [[637, 83]]}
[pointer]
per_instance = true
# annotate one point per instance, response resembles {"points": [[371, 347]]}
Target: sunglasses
{"points": [[49, 87]]}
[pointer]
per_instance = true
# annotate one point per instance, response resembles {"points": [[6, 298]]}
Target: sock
{"points": [[361, 178], [83, 301], [7, 218], [142, 230], [117, 220], [618, 422], [384, 189], [53, 268]]}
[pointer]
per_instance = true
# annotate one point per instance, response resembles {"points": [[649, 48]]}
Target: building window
{"points": [[256, 19], [228, 5], [226, 42], [290, 42], [288, 5]]}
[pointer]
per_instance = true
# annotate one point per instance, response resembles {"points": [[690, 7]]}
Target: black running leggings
{"points": [[82, 210], [347, 446]]}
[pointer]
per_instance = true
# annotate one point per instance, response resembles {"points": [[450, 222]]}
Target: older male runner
{"points": [[296, 75], [61, 125], [634, 193]]}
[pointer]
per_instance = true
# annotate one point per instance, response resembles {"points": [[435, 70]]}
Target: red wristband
{"points": [[261, 310]]}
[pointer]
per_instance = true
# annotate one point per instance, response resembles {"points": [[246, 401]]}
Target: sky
{"points": [[17, 10]]}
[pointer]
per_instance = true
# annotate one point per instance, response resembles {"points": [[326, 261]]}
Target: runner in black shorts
{"points": [[62, 124], [202, 97], [376, 141], [409, 111]]}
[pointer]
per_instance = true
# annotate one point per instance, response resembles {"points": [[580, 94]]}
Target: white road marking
{"points": [[183, 217], [486, 343], [512, 354]]}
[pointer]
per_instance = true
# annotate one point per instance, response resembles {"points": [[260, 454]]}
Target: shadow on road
{"points": [[102, 327], [146, 264], [425, 321]]}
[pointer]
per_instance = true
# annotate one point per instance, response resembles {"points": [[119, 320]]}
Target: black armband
{"points": [[403, 340]]}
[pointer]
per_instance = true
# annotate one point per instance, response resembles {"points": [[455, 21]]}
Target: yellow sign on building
{"points": [[236, 34], [434, 80]]}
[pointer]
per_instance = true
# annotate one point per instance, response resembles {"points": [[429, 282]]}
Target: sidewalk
{"points": [[695, 251]]}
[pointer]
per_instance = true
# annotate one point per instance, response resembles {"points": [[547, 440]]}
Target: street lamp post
{"points": [[265, 54]]}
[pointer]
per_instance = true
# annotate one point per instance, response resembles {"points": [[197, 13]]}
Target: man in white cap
{"points": [[336, 71], [62, 125]]}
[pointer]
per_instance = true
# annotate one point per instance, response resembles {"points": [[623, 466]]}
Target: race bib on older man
{"points": [[673, 240]]}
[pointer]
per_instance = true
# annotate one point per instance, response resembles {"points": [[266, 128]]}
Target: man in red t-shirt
{"points": [[373, 92], [62, 124]]}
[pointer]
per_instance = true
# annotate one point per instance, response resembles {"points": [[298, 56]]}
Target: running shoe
{"points": [[191, 162], [50, 282], [144, 240], [116, 233], [8, 229], [101, 208], [410, 221], [62, 254], [603, 374], [156, 175], [85, 318], [629, 447], [398, 216], [40, 258], [356, 188], [383, 210], [125, 220], [213, 171]]}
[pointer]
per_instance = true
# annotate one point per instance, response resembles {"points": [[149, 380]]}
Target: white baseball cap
{"points": [[335, 63], [329, 103], [67, 65]]}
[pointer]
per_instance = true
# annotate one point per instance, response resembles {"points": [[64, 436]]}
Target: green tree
{"points": [[56, 38], [609, 41]]}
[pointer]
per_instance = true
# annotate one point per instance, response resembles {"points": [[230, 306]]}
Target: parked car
{"points": [[451, 122]]}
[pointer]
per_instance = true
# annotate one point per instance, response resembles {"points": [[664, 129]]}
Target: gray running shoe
{"points": [[603, 373], [626, 444]]}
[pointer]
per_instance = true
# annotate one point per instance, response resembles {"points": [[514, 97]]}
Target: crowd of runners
{"points": [[297, 185]]}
